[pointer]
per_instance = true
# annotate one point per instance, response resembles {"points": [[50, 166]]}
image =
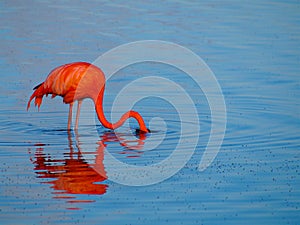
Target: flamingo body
{"points": [[75, 82]]}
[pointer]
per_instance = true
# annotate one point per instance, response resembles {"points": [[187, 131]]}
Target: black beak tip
{"points": [[138, 131]]}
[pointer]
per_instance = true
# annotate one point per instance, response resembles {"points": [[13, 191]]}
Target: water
{"points": [[48, 175]]}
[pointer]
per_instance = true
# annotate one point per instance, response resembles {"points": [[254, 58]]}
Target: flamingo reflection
{"points": [[72, 174]]}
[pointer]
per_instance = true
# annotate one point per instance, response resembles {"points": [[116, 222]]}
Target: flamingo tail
{"points": [[38, 95]]}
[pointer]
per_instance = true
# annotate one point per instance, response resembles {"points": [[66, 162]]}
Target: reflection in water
{"points": [[72, 174], [132, 148]]}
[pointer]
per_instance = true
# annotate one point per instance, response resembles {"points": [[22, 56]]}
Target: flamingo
{"points": [[75, 82]]}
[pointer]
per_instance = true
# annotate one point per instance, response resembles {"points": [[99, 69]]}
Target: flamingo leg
{"points": [[78, 114], [70, 116]]}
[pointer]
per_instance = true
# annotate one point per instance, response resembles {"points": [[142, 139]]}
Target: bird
{"points": [[75, 82]]}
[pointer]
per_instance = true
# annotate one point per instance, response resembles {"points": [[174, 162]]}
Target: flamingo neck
{"points": [[100, 113]]}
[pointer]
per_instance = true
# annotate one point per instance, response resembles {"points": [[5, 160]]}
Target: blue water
{"points": [[254, 51]]}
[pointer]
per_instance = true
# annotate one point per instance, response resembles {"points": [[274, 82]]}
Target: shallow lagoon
{"points": [[252, 49]]}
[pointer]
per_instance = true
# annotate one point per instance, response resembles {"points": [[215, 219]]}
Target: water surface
{"points": [[48, 174]]}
